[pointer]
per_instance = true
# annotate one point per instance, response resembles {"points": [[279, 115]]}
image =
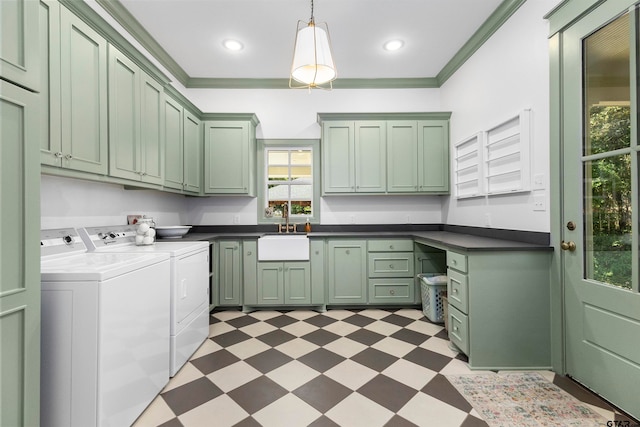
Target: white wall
{"points": [[66, 202], [292, 114], [506, 75]]}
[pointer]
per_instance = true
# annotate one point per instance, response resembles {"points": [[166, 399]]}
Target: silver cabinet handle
{"points": [[455, 291], [391, 266], [455, 328], [68, 157], [249, 253], [392, 292], [391, 247], [279, 268], [58, 155], [347, 251]]}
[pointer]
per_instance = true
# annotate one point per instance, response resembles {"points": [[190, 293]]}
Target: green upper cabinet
{"points": [[73, 98], [192, 153], [433, 156], [173, 144], [418, 156], [49, 48], [402, 157], [230, 155], [136, 149], [183, 147], [19, 59], [377, 154], [354, 157], [338, 157]]}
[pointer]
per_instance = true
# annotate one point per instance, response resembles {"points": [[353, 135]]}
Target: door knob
{"points": [[570, 246]]}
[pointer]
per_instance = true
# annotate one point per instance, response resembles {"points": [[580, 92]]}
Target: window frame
{"points": [[288, 144]]}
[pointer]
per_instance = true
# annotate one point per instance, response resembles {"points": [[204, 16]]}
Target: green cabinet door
{"points": [[283, 283], [192, 153], [19, 56], [354, 157], [182, 148], [49, 48], [370, 156], [20, 261], [229, 274], [230, 151], [151, 121], [297, 282], [136, 150], [402, 161], [338, 157], [317, 265], [270, 283], [173, 144], [433, 156], [83, 74], [347, 271]]}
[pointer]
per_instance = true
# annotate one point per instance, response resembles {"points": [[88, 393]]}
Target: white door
{"points": [[600, 203]]}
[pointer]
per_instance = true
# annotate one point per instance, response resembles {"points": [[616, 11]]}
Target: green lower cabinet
{"points": [[283, 283], [499, 308], [229, 273], [317, 264], [347, 270], [391, 291]]}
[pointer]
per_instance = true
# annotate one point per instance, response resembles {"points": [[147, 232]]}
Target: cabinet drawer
{"points": [[457, 261], [458, 290], [390, 245], [391, 291], [391, 264], [459, 329]]}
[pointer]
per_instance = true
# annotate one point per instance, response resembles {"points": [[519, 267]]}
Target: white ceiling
{"points": [[192, 32]]}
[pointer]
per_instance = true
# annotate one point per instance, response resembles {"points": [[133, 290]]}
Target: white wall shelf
{"points": [[467, 167], [507, 157]]}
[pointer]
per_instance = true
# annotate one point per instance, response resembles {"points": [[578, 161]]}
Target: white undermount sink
{"points": [[283, 247]]}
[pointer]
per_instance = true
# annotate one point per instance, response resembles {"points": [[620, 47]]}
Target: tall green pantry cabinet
{"points": [[20, 215]]}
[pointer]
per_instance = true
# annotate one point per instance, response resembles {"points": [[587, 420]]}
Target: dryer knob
{"points": [[67, 239]]}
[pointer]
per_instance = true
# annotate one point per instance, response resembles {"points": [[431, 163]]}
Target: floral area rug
{"points": [[523, 399]]}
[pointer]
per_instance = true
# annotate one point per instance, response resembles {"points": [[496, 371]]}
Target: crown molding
{"points": [[432, 115], [236, 83], [486, 30], [482, 34], [131, 24]]}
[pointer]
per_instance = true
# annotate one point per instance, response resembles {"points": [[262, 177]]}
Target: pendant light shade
{"points": [[312, 65]]}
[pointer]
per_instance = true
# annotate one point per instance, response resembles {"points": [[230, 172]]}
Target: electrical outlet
{"points": [[352, 219], [408, 219], [539, 204], [487, 219], [236, 219]]}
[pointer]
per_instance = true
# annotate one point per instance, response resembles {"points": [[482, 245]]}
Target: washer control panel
{"points": [[60, 241]]}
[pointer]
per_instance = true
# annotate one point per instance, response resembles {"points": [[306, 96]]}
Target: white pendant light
{"points": [[312, 65]]}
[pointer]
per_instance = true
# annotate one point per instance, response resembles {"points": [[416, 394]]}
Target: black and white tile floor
{"points": [[340, 368]]}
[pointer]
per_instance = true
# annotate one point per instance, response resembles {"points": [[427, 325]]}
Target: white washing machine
{"points": [[105, 332], [189, 283]]}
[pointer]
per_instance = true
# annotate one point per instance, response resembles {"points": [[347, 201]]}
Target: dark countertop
{"points": [[440, 239]]}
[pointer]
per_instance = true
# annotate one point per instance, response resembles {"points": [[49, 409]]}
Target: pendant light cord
{"points": [[311, 21]]}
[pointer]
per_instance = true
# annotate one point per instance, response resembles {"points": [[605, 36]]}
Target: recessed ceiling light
{"points": [[393, 45], [232, 44]]}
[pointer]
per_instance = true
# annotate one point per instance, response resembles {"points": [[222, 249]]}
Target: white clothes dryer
{"points": [[189, 283], [105, 332]]}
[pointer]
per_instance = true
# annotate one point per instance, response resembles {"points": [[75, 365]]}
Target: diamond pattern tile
{"points": [[370, 367]]}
